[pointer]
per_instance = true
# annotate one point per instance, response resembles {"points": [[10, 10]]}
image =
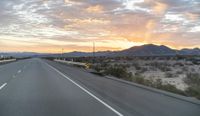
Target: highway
{"points": [[36, 87]]}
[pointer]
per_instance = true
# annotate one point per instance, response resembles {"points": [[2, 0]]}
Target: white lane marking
{"points": [[19, 71], [2, 86], [95, 97]]}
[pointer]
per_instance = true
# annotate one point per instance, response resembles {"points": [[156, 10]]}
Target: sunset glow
{"points": [[50, 25]]}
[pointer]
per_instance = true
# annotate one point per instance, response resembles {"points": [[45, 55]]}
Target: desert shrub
{"points": [[139, 79], [127, 65], [161, 66], [104, 64], [143, 69], [193, 91], [157, 83], [98, 68], [119, 72], [149, 82], [164, 68], [170, 75], [185, 69], [137, 66], [178, 64], [179, 72], [193, 80], [171, 88]]}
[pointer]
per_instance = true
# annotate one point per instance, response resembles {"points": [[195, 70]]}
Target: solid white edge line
{"points": [[95, 97], [2, 86]]}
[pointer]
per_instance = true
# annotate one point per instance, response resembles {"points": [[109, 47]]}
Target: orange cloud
{"points": [[192, 16], [95, 9], [160, 8]]}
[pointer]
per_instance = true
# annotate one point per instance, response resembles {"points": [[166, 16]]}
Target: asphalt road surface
{"points": [[36, 87]]}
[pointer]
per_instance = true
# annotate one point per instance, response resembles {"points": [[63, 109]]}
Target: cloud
{"points": [[122, 23], [95, 9], [160, 8]]}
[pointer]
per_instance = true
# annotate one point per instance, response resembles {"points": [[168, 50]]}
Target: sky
{"points": [[47, 26]]}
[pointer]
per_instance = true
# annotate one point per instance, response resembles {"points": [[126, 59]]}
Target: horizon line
{"points": [[98, 50]]}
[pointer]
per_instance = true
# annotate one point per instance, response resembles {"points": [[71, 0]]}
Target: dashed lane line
{"points": [[2, 86], [19, 71]]}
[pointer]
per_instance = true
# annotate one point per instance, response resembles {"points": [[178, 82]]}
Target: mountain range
{"points": [[144, 50]]}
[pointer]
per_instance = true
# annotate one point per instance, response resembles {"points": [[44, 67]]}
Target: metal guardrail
{"points": [[3, 61], [73, 63]]}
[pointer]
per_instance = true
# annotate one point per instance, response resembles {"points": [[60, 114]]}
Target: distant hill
{"points": [[195, 51], [145, 50]]}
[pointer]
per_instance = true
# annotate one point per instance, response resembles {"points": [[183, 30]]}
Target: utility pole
{"points": [[93, 52], [62, 53]]}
